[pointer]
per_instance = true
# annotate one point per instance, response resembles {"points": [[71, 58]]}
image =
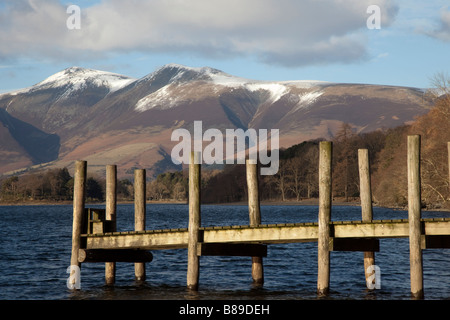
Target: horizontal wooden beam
{"points": [[355, 244], [232, 249], [435, 242], [265, 234], [114, 255]]}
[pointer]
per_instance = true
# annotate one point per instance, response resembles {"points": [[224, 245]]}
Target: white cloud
{"points": [[443, 33], [283, 32]]}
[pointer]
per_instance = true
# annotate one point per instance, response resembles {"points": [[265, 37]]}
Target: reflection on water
{"points": [[35, 249]]}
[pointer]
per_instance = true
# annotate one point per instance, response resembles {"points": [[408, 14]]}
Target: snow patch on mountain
{"points": [[180, 73], [74, 79], [307, 99], [159, 99], [275, 90], [303, 100]]}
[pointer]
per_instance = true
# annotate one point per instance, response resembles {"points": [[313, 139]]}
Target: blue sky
{"points": [[257, 39]]}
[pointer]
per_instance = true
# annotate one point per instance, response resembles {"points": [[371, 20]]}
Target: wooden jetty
{"points": [[95, 238]]}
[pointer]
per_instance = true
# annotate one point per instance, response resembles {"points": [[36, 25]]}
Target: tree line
{"points": [[55, 185]]}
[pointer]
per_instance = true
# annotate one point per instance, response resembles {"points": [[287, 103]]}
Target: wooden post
{"points": [[255, 215], [139, 215], [194, 221], [111, 210], [365, 192], [79, 191], [414, 215], [323, 275], [448, 148]]}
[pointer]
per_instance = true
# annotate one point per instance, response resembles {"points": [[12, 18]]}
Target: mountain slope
{"points": [[40, 146], [109, 118], [57, 102]]}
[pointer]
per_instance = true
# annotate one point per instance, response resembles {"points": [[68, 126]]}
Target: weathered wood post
{"points": [[323, 247], [79, 191], [414, 215], [193, 267], [139, 215], [365, 192], [448, 148], [255, 215], [111, 210]]}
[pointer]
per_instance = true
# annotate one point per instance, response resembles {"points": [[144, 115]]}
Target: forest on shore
{"points": [[297, 178]]}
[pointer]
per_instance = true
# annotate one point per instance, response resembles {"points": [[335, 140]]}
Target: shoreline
{"points": [[305, 202]]}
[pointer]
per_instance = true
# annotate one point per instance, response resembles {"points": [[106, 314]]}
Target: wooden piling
{"points": [[448, 148], [194, 221], [255, 215], [323, 247], [365, 193], [79, 191], [414, 215], [111, 211], [139, 214]]}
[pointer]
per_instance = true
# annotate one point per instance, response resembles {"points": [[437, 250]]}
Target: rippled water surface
{"points": [[35, 245]]}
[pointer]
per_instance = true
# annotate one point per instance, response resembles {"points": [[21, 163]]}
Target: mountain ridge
{"points": [[107, 117]]}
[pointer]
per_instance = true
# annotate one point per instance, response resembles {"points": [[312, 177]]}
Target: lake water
{"points": [[35, 245]]}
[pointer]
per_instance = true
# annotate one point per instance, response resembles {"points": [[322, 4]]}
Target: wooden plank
{"points": [[134, 240], [305, 232], [355, 244], [375, 229], [231, 249], [436, 227], [264, 234], [112, 255]]}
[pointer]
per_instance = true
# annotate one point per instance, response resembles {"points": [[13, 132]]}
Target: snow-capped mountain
{"points": [[217, 81], [58, 99], [74, 79], [109, 118]]}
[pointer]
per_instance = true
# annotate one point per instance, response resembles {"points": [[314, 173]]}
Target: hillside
{"points": [[109, 118]]}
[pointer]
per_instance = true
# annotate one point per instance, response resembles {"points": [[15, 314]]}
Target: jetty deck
{"points": [[95, 239], [269, 234]]}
